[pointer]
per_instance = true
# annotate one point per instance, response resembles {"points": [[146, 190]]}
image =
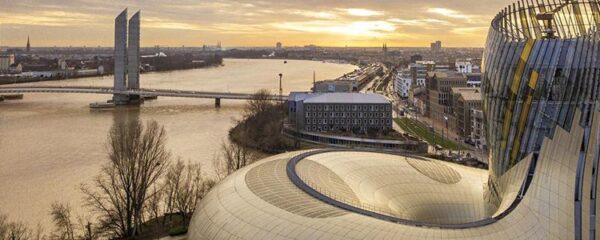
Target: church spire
{"points": [[28, 48]]}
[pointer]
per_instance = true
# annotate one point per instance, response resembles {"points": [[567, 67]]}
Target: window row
{"points": [[348, 114], [348, 121], [327, 107]]}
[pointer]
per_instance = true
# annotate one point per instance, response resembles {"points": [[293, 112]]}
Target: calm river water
{"points": [[52, 143]]}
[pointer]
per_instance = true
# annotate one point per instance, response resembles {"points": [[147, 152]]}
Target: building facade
{"points": [[355, 112], [465, 100], [403, 83], [540, 87], [5, 61], [439, 97], [477, 136], [335, 86]]}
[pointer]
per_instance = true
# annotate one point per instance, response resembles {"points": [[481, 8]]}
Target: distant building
{"points": [[278, 45], [5, 61], [418, 71], [15, 68], [439, 99], [356, 112], [415, 58], [436, 46], [464, 66], [474, 80], [477, 136], [402, 83], [335, 86], [464, 100]]}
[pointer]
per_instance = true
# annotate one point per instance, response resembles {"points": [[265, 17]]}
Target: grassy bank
{"points": [[420, 130]]}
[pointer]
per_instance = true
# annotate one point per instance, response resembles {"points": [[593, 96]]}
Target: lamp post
{"points": [[280, 88], [447, 134]]}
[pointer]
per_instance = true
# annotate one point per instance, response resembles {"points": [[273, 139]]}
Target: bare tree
{"points": [[61, 216], [260, 102], [13, 230], [153, 208], [235, 156], [18, 231], [138, 158], [3, 226], [172, 182], [39, 233], [185, 186]]}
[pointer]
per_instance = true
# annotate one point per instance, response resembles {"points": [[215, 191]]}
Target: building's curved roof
{"points": [[261, 201]]}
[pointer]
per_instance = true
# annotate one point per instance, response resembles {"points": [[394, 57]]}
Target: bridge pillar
{"points": [[217, 102]]}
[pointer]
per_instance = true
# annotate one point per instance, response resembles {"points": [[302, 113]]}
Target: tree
{"points": [[153, 208], [234, 157], [18, 231], [15, 230], [260, 102], [137, 159], [3, 226], [185, 186], [61, 216]]}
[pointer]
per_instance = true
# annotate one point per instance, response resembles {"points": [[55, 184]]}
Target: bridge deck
{"points": [[141, 91]]}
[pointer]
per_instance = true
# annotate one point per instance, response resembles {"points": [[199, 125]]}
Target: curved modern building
{"points": [[541, 90]]}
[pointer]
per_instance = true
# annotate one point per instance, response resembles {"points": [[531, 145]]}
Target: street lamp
{"points": [[447, 134], [280, 88]]}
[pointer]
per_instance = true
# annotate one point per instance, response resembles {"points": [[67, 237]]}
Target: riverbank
{"points": [[16, 80]]}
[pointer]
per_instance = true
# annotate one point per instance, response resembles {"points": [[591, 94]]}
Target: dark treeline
{"points": [[182, 61]]}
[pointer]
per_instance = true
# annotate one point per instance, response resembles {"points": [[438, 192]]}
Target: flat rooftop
{"points": [[367, 98]]}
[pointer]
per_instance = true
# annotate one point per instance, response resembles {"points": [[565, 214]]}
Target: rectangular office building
{"points": [[356, 112]]}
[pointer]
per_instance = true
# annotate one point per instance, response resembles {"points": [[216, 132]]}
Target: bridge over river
{"points": [[145, 92]]}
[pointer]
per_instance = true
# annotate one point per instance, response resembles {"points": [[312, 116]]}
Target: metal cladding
{"points": [[540, 65], [120, 56], [133, 52], [126, 56]]}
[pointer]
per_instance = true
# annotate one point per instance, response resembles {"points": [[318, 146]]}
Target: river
{"points": [[52, 143]]}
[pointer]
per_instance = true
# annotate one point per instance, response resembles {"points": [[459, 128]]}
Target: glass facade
{"points": [[540, 65]]}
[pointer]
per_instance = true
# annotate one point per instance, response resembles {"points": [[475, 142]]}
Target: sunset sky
{"points": [[400, 23]]}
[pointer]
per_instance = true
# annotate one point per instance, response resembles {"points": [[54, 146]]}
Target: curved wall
{"points": [[533, 80]]}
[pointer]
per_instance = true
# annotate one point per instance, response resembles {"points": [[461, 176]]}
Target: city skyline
{"points": [[252, 23]]}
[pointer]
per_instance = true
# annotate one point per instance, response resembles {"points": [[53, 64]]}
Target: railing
{"points": [[364, 209], [141, 91]]}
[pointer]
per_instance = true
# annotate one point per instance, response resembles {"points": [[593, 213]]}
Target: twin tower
{"points": [[127, 57]]}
